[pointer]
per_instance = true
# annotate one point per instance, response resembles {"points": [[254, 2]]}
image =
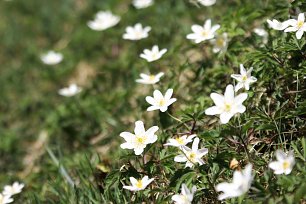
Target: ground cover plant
{"points": [[164, 101]]}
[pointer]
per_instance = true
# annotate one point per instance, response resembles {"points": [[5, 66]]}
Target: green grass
{"points": [[47, 139]]}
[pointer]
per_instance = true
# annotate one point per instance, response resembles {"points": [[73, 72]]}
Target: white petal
{"points": [[195, 144], [168, 94], [157, 95], [180, 158], [229, 93], [225, 117], [139, 128], [299, 34], [215, 110], [240, 98], [217, 98]]}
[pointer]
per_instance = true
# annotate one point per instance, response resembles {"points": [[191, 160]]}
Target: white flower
{"points": [[180, 141], [244, 78], [140, 139], [284, 163], [138, 185], [103, 20], [4, 199], [227, 105], [262, 33], [240, 185], [154, 54], [13, 189], [186, 195], [137, 32], [276, 25], [206, 32], [207, 2], [158, 101], [139, 4], [298, 26], [51, 58], [193, 155], [69, 91], [220, 43], [149, 79]]}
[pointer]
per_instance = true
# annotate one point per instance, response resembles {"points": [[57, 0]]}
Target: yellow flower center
{"points": [[219, 42], [244, 78], [227, 107], [192, 156], [179, 140], [300, 24], [152, 77], [205, 33], [286, 165], [162, 102], [139, 184], [140, 140]]}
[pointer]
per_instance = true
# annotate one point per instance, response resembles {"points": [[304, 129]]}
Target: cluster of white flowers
{"points": [[226, 106], [292, 25], [9, 191]]}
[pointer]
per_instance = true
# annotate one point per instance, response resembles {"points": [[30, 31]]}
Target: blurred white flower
{"points": [[158, 101], [51, 58], [149, 79], [4, 199], [138, 185], [220, 43], [207, 2], [193, 155], [140, 4], [154, 54], [284, 163], [240, 185], [298, 26], [137, 32], [186, 195], [69, 91], [262, 33], [103, 20], [13, 189], [244, 78], [276, 25], [140, 139], [180, 141], [202, 33], [227, 105]]}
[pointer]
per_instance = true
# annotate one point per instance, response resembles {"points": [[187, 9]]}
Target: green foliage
{"points": [[81, 140]]}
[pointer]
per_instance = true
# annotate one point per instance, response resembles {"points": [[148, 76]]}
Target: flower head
{"points": [[140, 139], [298, 26], [103, 20], [284, 163], [160, 102], [220, 43], [69, 91], [154, 54], [193, 155], [262, 33], [227, 105], [244, 78], [202, 33], [4, 199], [137, 32], [149, 79], [186, 195], [276, 25], [140, 4], [51, 58], [240, 185], [180, 141], [13, 189], [207, 2], [138, 185]]}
